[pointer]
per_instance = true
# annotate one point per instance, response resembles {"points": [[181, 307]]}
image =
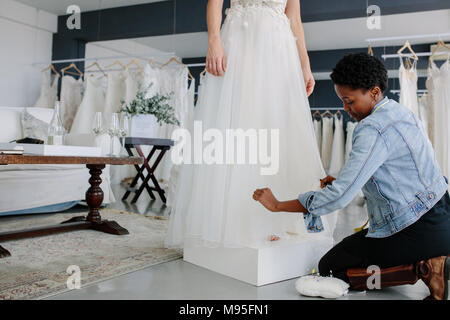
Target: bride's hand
{"points": [[215, 58], [309, 81], [267, 199]]}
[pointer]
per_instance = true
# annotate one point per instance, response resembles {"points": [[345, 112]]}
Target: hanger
{"points": [[173, 59], [327, 113], [407, 45], [52, 67], [423, 96], [95, 64], [370, 50], [134, 61], [440, 44], [317, 114], [72, 65], [117, 62]]}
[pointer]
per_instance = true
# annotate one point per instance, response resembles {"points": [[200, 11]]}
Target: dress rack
{"points": [[146, 56], [438, 36], [325, 109]]}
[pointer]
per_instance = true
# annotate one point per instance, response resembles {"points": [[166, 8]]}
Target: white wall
{"points": [[25, 38]]}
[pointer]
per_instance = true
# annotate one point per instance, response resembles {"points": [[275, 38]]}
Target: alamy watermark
{"points": [[74, 20], [374, 280], [235, 146], [373, 17], [74, 279]]}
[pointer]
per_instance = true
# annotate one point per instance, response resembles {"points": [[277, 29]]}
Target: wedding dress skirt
{"points": [[262, 88], [93, 101]]}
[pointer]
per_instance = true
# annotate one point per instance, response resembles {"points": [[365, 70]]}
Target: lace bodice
{"points": [[278, 6]]}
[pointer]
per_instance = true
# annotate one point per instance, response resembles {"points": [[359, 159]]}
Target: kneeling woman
{"points": [[394, 163]]}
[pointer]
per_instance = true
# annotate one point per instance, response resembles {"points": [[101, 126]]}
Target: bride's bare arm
{"points": [[293, 13], [215, 57]]}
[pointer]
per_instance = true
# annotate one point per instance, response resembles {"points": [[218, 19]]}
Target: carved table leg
{"points": [[94, 199], [4, 253]]}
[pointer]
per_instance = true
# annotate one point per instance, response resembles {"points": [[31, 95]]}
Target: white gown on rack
{"points": [[115, 92], [338, 150], [49, 92], [430, 105], [174, 79], [318, 132], [70, 99], [188, 123], [327, 142], [263, 88], [408, 87], [441, 103], [93, 101], [423, 112]]}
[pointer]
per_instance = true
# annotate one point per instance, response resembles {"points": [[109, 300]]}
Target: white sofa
{"points": [[32, 186]]}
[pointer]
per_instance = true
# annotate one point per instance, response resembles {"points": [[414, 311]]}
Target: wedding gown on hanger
{"points": [[318, 132], [338, 149], [408, 87], [262, 88], [70, 99], [49, 92], [93, 101], [440, 91], [327, 141]]}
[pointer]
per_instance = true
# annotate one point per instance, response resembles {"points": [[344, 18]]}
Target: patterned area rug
{"points": [[37, 267]]}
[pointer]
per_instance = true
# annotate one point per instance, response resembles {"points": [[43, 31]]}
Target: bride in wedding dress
{"points": [[258, 78]]}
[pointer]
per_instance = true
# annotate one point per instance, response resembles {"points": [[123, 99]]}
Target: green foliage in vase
{"points": [[156, 105]]}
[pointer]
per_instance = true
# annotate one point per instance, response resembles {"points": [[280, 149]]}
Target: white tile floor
{"points": [[182, 280]]}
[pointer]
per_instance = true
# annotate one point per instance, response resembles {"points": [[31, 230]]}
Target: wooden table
{"points": [[163, 145], [94, 196]]}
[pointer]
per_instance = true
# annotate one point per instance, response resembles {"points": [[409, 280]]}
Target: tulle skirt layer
{"points": [[262, 88]]}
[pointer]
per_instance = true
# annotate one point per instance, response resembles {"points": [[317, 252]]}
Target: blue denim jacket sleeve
{"points": [[369, 151]]}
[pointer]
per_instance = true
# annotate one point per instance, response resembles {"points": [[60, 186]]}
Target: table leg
{"points": [[4, 253], [94, 199], [139, 172], [151, 170]]}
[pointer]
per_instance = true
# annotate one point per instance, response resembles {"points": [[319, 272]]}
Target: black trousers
{"points": [[427, 238]]}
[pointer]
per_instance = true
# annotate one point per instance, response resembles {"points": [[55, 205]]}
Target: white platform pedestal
{"points": [[260, 265]]}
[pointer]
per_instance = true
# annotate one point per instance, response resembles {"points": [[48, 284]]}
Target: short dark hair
{"points": [[360, 71]]}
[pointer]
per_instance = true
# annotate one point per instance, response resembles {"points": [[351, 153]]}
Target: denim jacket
{"points": [[393, 162]]}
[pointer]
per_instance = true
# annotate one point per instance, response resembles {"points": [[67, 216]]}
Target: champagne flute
{"points": [[97, 124], [113, 131], [124, 131]]}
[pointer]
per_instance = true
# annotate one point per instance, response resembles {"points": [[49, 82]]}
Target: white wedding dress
{"points": [[327, 142], [93, 101], [70, 99], [318, 131], [439, 81], [262, 88], [49, 92], [337, 160], [408, 87]]}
